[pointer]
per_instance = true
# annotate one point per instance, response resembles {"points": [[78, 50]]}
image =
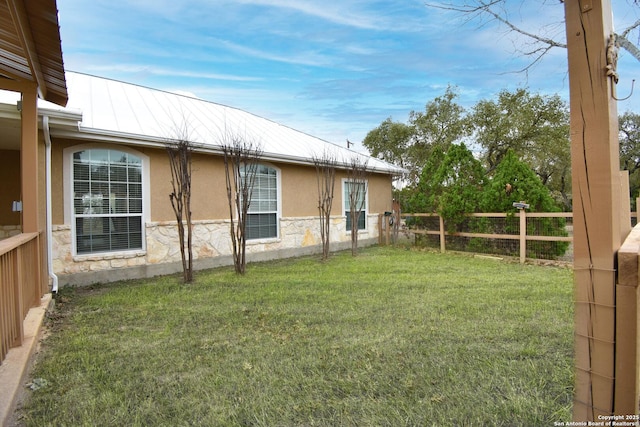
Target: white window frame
{"points": [[69, 215], [278, 210], [345, 204]]}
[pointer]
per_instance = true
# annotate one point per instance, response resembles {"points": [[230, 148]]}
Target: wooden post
{"points": [[29, 161], [442, 235], [625, 206], [18, 292], [626, 392], [596, 199], [395, 214], [627, 389], [523, 236], [387, 234]]}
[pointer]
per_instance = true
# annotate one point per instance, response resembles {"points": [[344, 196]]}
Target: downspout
{"points": [[47, 143]]}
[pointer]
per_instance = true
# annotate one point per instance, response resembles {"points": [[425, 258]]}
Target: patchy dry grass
{"points": [[393, 337]]}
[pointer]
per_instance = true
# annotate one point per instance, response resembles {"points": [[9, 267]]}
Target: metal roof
{"points": [[30, 46], [129, 113]]}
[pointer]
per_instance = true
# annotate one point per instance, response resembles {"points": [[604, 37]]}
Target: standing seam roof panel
{"points": [[117, 107]]}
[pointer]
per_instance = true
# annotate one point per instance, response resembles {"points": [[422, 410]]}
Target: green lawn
{"points": [[393, 337]]}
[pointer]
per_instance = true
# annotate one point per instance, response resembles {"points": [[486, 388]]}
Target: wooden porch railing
{"points": [[22, 284], [627, 300]]}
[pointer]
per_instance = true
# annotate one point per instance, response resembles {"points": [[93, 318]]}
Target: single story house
{"points": [[104, 176]]}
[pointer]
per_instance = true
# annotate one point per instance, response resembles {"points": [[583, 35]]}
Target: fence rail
{"points": [[523, 234], [21, 285]]}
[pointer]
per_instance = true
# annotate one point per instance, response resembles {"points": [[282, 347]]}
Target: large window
{"points": [[359, 191], [262, 218], [107, 201]]}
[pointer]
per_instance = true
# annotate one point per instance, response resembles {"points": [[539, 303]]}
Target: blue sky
{"points": [[332, 68]]}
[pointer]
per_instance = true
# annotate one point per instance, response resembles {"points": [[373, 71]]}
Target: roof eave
{"points": [[99, 135], [32, 49]]}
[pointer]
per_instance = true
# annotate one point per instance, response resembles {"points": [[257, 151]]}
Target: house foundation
{"points": [[211, 248]]}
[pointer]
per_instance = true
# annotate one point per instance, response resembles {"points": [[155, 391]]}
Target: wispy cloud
{"points": [[300, 58], [336, 13], [146, 69], [332, 68]]}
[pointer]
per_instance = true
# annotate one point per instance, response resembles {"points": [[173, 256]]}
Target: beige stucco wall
{"points": [[209, 197], [57, 189], [208, 188], [9, 186], [298, 225], [380, 193], [300, 191]]}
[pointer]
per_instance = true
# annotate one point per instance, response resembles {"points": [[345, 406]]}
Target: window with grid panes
{"points": [[360, 191], [262, 217], [107, 201]]}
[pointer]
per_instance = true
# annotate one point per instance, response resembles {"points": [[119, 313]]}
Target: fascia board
{"points": [[97, 135], [9, 111]]}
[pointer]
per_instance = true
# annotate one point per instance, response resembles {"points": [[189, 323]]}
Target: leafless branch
{"points": [[357, 191], [624, 43], [326, 166], [241, 156], [479, 9], [180, 150]]}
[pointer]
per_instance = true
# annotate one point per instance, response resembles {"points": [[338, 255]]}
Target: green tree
{"points": [[629, 125], [442, 123], [515, 181], [451, 184], [410, 145], [535, 128], [390, 142], [419, 198]]}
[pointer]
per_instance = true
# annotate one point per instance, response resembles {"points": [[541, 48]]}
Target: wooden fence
{"points": [[522, 232], [22, 284]]}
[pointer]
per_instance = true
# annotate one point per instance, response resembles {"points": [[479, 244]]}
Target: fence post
{"points": [[387, 230], [627, 359], [523, 236], [595, 166], [625, 208], [442, 234]]}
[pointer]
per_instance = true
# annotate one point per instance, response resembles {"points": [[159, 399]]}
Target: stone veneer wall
{"points": [[211, 248], [7, 231]]}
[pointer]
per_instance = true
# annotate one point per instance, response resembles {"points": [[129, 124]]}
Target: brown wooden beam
{"points": [[23, 29], [15, 85], [29, 161], [596, 204]]}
